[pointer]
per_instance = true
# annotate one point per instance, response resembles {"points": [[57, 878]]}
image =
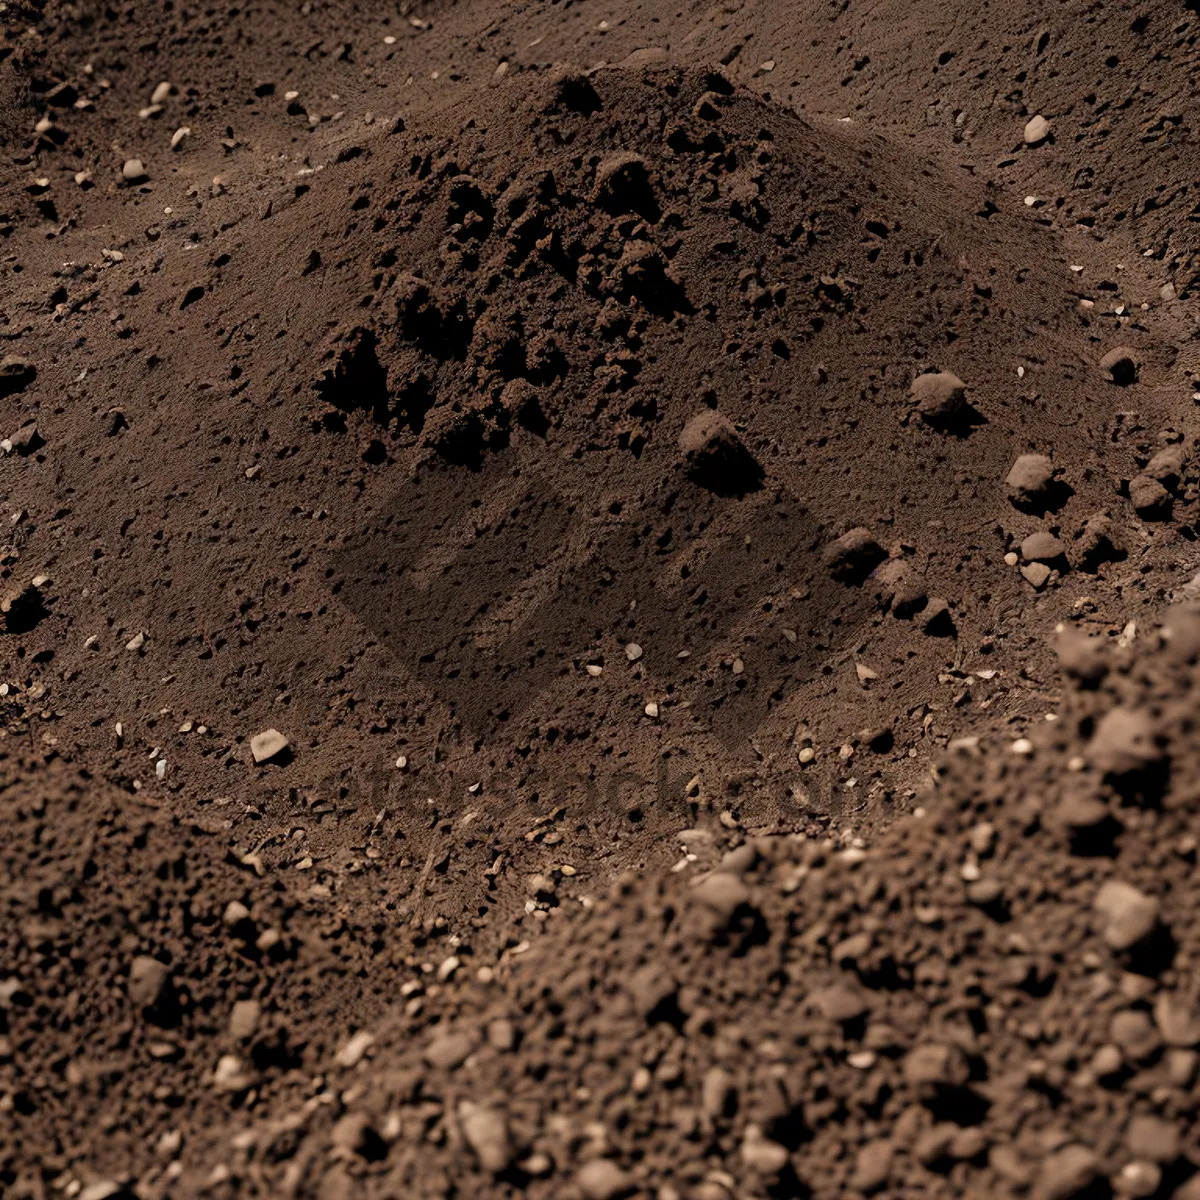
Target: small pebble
{"points": [[1036, 130], [267, 745]]}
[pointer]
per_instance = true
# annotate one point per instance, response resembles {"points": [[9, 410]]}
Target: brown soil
{"points": [[598, 442]]}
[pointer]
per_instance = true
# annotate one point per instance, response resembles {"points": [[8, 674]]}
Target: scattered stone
{"points": [[652, 991], [148, 981], [1097, 543], [1149, 498], [133, 171], [231, 1075], [1178, 1020], [502, 1035], [1133, 1032], [762, 1155], [162, 93], [267, 745], [26, 441], [1153, 1138], [718, 1094], [16, 374], [1037, 574], [940, 397], [840, 1003], [1030, 480], [602, 1179], [853, 556], [633, 652], [180, 136], [934, 1065], [1042, 547], [1130, 916], [722, 894], [448, 1051], [1166, 466], [872, 1166], [353, 1134], [1120, 366], [1037, 130], [244, 1018], [715, 456], [351, 1054], [486, 1132], [1124, 742], [898, 586], [1139, 1179], [1067, 1173]]}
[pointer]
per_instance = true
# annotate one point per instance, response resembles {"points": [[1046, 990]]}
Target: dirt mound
{"points": [[449, 451]]}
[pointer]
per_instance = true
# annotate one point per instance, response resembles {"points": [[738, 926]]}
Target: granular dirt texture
{"points": [[462, 458], [996, 998]]}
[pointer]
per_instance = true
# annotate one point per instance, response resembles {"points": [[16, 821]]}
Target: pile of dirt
{"points": [[450, 451]]}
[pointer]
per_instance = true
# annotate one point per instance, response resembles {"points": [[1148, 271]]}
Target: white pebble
{"points": [[633, 652], [1022, 746]]}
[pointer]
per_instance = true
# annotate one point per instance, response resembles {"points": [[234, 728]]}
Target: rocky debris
{"points": [[244, 1019], [25, 441], [576, 311], [1036, 574], [853, 556], [1167, 465], [1120, 366], [898, 587], [1067, 1173], [940, 397], [16, 374], [267, 745], [1129, 916], [1125, 742], [1149, 498], [1042, 547], [603, 1179], [148, 981], [1097, 542], [486, 1132], [1030, 481], [1037, 130], [715, 456], [134, 171]]}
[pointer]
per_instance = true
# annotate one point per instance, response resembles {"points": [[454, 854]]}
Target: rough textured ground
{"points": [[514, 407]]}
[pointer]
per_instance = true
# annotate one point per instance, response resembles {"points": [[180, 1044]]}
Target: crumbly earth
{"points": [[590, 443]]}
